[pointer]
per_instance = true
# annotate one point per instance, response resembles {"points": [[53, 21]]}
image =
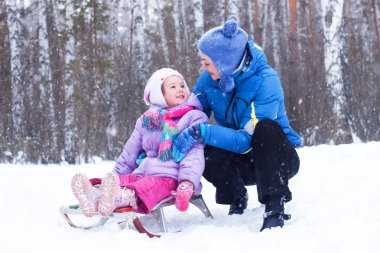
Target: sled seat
{"points": [[128, 215]]}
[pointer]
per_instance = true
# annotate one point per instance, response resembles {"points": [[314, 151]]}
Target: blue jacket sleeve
{"points": [[237, 141]]}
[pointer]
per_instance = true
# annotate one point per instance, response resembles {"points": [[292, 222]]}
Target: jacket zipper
{"points": [[228, 108], [249, 59]]}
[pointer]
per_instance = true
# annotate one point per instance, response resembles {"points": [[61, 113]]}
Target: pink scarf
{"points": [[163, 120]]}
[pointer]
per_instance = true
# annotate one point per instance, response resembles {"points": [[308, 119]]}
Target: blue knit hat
{"points": [[225, 46]]}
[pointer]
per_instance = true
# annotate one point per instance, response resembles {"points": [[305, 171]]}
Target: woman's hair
{"points": [[225, 46]]}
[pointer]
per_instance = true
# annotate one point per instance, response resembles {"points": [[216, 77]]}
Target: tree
{"points": [[5, 87], [332, 20], [233, 10], [164, 43], [185, 38], [65, 26], [49, 138], [198, 18], [138, 69], [138, 38], [16, 44], [257, 21], [360, 67]]}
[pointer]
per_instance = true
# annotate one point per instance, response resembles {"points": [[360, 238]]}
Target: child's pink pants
{"points": [[149, 189]]}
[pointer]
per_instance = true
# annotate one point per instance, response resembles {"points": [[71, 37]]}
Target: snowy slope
{"points": [[335, 208]]}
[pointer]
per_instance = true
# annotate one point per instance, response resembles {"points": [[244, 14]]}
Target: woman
{"points": [[252, 143]]}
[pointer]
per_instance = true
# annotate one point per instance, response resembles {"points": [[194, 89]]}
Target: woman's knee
{"points": [[294, 165], [268, 131], [267, 125]]}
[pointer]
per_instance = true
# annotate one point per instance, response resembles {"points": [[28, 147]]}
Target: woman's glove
{"points": [[183, 194], [187, 139]]}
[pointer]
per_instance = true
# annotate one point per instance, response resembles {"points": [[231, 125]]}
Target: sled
{"points": [[152, 224]]}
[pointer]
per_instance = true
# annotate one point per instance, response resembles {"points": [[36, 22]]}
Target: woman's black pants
{"points": [[270, 164]]}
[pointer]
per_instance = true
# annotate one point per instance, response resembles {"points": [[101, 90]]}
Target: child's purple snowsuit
{"points": [[190, 168]]}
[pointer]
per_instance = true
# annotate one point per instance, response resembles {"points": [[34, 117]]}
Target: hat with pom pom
{"points": [[153, 89], [225, 46]]}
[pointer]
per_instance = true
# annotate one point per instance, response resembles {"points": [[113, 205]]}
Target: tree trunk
{"points": [[68, 56], [376, 20], [138, 40], [233, 10], [164, 43], [198, 18], [5, 88], [258, 35], [331, 21], [293, 41], [50, 146], [186, 40], [16, 43]]}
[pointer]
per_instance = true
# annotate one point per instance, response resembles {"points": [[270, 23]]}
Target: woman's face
{"points": [[175, 91], [206, 64]]}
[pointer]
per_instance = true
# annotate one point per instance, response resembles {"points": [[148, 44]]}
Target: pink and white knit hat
{"points": [[153, 92]]}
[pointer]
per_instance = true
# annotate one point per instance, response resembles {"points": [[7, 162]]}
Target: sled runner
{"points": [[152, 224]]}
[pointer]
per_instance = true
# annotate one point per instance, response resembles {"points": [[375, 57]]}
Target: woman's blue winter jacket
{"points": [[257, 95]]}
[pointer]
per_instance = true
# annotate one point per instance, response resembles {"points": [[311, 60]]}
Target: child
{"points": [[172, 109]]}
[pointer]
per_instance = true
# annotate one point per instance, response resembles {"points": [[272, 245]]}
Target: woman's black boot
{"points": [[274, 215], [239, 204]]}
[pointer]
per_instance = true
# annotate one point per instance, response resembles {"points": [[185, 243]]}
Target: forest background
{"points": [[72, 72]]}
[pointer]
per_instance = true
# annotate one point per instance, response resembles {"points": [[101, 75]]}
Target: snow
{"points": [[335, 208]]}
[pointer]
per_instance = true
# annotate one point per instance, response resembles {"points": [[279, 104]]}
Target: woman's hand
{"points": [[187, 139]]}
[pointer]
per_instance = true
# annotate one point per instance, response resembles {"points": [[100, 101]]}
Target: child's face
{"points": [[206, 64], [175, 91]]}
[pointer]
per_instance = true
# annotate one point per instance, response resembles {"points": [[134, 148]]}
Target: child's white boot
{"points": [[87, 195], [113, 196]]}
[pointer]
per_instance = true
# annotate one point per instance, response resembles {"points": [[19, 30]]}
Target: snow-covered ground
{"points": [[335, 208]]}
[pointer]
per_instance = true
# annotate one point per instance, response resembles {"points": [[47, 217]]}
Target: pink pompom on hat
{"points": [[153, 90]]}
